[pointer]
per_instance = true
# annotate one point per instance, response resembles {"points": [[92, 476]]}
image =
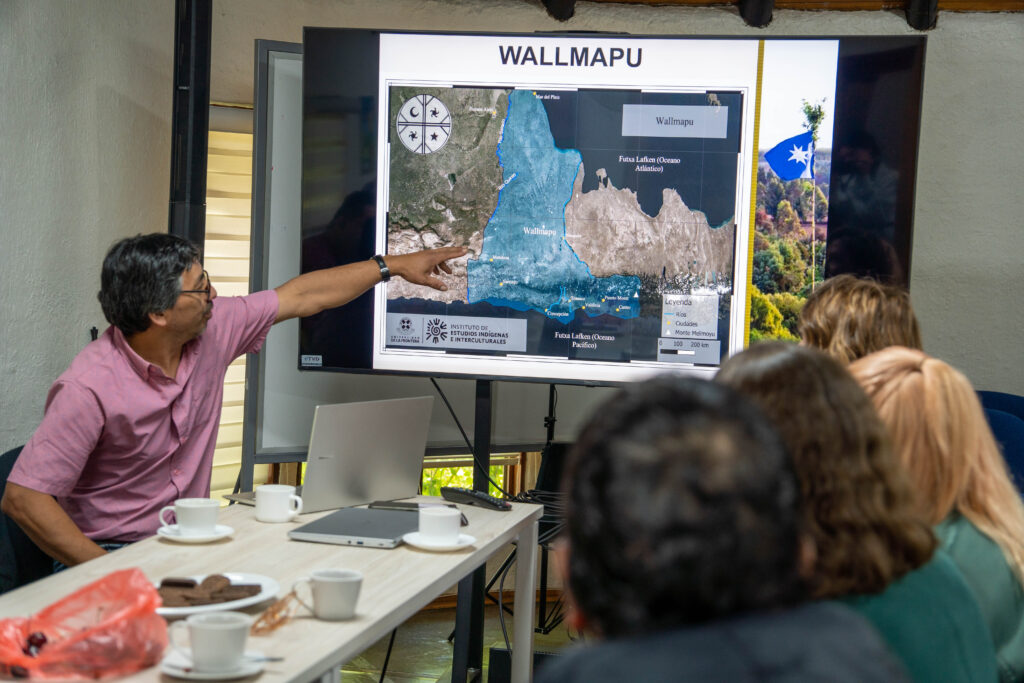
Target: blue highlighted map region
{"points": [[525, 262]]}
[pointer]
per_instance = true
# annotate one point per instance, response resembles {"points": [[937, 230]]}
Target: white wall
{"points": [[85, 143], [85, 136]]}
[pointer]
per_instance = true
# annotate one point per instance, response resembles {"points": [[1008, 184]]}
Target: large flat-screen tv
{"points": [[623, 198]]}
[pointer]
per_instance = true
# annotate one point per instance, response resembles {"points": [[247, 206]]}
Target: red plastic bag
{"points": [[108, 628]]}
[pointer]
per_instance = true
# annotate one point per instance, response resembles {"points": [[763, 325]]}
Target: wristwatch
{"points": [[385, 272]]}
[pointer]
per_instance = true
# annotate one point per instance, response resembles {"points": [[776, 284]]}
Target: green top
{"points": [[997, 589], [931, 621]]}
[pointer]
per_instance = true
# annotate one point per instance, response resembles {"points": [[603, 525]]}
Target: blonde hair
{"points": [[939, 431], [849, 317]]}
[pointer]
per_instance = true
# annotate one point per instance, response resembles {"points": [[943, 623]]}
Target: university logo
{"points": [[437, 331]]}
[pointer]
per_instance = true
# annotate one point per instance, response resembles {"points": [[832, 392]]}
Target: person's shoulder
{"points": [[812, 622], [961, 538], [94, 364], [678, 654], [932, 618], [810, 615], [816, 641], [940, 569], [935, 582]]}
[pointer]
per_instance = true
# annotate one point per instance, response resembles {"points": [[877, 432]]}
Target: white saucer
{"points": [[173, 533], [178, 664], [417, 541]]}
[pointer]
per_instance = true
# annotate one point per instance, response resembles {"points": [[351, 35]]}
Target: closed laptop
{"points": [[369, 527]]}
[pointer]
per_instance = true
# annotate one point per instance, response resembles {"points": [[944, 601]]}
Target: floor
{"points": [[422, 652]]}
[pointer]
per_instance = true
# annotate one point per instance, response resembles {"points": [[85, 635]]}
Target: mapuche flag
{"points": [[793, 158]]}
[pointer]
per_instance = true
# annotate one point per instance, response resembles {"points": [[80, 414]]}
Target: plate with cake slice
{"points": [[185, 595]]}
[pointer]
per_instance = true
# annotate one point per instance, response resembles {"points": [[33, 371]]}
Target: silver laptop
{"points": [[362, 452]]}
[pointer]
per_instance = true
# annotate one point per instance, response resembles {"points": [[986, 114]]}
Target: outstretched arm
{"points": [[49, 527], [319, 290]]}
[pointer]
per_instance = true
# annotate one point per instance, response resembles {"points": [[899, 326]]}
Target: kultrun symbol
{"points": [[405, 324], [416, 133], [437, 331]]}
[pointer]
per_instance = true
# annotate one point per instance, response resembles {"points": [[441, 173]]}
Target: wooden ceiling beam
{"points": [[850, 5]]}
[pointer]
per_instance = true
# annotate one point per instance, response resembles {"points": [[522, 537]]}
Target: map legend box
{"points": [[696, 351], [692, 316]]}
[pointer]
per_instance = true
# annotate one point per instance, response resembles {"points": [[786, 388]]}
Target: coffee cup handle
{"points": [[295, 590], [295, 503], [163, 522], [172, 636]]}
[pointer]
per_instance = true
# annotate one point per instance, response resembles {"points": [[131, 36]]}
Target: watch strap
{"points": [[385, 272]]}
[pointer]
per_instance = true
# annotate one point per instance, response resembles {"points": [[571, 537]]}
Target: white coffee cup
{"points": [[216, 640], [334, 593], [277, 503], [440, 525], [195, 516]]}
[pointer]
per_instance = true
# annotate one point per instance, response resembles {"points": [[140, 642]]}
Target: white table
{"points": [[397, 583]]}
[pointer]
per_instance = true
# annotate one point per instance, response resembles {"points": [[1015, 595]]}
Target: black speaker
{"points": [[552, 464]]}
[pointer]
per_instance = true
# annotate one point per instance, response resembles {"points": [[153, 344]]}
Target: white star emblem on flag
{"points": [[799, 154]]}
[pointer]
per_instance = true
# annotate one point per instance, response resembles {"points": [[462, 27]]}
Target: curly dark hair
{"points": [[142, 275], [682, 507], [858, 504]]}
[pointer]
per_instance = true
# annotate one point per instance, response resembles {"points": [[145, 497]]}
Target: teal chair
{"points": [[1009, 432]]}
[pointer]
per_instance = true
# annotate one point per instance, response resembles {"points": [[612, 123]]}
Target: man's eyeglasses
{"points": [[206, 291]]}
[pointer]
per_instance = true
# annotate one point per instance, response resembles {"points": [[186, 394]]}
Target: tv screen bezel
{"points": [[906, 206]]}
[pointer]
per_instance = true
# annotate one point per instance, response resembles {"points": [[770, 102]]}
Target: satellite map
{"points": [[600, 222]]}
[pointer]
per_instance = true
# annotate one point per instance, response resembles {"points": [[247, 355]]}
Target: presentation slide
{"points": [[602, 186]]}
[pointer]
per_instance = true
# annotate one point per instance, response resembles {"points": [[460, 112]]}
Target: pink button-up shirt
{"points": [[119, 439]]}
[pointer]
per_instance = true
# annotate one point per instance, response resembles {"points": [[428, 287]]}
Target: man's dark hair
{"points": [[682, 507], [142, 275]]}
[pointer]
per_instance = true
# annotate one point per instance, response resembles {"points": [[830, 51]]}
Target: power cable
{"points": [[387, 656], [469, 444]]}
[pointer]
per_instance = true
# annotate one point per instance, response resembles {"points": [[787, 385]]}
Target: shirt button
{"points": [[176, 472]]}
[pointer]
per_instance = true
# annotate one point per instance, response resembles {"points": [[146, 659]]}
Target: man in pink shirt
{"points": [[131, 425]]}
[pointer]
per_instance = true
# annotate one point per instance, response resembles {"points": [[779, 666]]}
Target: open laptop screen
{"points": [[363, 451]]}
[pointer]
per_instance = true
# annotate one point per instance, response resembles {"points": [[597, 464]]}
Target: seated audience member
{"points": [[131, 425], [875, 551], [685, 549], [848, 317], [940, 433]]}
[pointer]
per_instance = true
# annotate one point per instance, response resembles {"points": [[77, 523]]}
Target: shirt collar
{"points": [[142, 367], [139, 364]]}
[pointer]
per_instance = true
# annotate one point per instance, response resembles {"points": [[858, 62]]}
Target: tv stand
{"points": [[468, 657]]}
